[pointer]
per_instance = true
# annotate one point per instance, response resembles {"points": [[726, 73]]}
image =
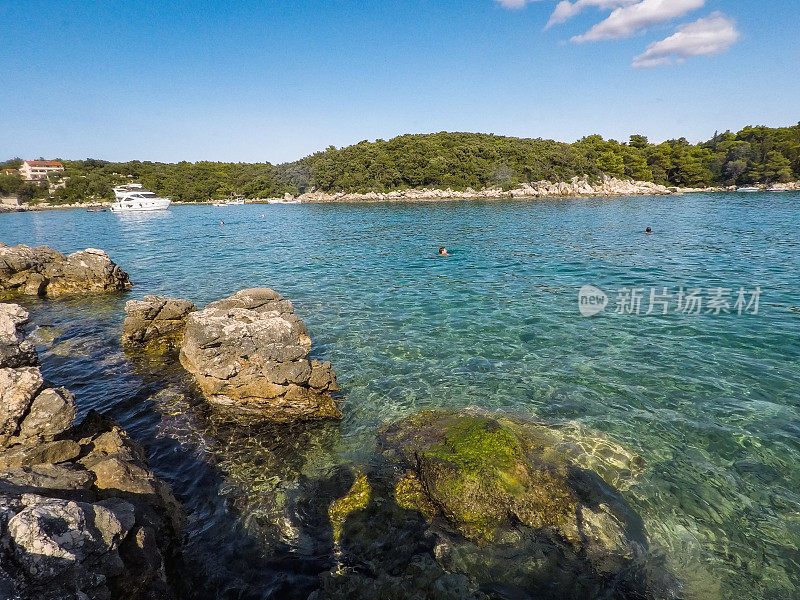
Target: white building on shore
{"points": [[38, 170]]}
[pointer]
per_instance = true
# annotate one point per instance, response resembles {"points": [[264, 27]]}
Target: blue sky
{"points": [[274, 81]]}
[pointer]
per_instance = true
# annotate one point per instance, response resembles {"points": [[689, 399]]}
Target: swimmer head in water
{"points": [[443, 251], [649, 230]]}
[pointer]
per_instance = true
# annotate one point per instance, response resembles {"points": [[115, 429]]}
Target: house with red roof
{"points": [[38, 170]]}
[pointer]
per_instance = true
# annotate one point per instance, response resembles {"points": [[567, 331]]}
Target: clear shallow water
{"points": [[712, 403]]}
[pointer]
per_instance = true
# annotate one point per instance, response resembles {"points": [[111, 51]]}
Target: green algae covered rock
{"points": [[355, 499], [486, 474], [473, 504]]}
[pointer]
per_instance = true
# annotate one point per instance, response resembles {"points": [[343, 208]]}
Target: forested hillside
{"points": [[455, 160]]}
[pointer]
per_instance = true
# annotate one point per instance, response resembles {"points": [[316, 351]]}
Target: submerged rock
{"points": [[81, 515], [519, 493], [249, 354], [485, 474], [42, 271], [156, 322], [475, 504]]}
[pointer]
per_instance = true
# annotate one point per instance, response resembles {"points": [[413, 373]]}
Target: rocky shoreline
{"points": [[577, 187], [81, 515]]}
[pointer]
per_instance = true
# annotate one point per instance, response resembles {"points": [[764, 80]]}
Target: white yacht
{"points": [[749, 189], [134, 197]]}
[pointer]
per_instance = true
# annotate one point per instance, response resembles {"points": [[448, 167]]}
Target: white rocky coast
{"points": [[577, 187]]}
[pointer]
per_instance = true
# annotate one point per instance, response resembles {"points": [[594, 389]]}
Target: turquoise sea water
{"points": [[711, 402]]}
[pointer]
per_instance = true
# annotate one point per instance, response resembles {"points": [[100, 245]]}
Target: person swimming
{"points": [[443, 251], [649, 230]]}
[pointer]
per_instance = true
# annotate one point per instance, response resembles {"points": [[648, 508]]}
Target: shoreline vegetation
{"points": [[443, 166], [609, 187]]}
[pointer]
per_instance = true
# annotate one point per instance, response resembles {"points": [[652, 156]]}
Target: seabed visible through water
{"points": [[709, 402]]}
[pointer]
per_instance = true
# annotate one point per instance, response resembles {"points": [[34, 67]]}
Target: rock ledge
{"points": [[42, 271]]}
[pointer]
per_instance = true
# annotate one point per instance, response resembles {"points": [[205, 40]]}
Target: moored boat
{"points": [[134, 197], [748, 189]]}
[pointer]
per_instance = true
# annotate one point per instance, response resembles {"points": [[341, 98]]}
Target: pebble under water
{"points": [[710, 402]]}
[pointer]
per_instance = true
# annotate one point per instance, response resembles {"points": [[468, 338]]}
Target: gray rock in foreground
{"points": [[45, 272], [156, 321], [30, 412], [81, 515], [249, 354], [14, 351]]}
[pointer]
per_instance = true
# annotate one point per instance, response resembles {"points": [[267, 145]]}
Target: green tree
{"points": [[776, 169], [611, 163], [639, 141], [636, 166]]}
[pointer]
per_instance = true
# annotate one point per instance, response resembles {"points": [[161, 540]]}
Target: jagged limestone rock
{"points": [[156, 322], [249, 354], [42, 271], [14, 351]]}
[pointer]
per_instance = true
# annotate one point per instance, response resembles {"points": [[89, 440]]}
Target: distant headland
{"points": [[436, 166]]}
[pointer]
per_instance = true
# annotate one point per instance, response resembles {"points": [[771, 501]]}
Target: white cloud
{"points": [[565, 10], [624, 21], [711, 35]]}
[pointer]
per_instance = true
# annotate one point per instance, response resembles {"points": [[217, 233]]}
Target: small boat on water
{"points": [[96, 209], [777, 190], [282, 201], [749, 189], [219, 204], [134, 197]]}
